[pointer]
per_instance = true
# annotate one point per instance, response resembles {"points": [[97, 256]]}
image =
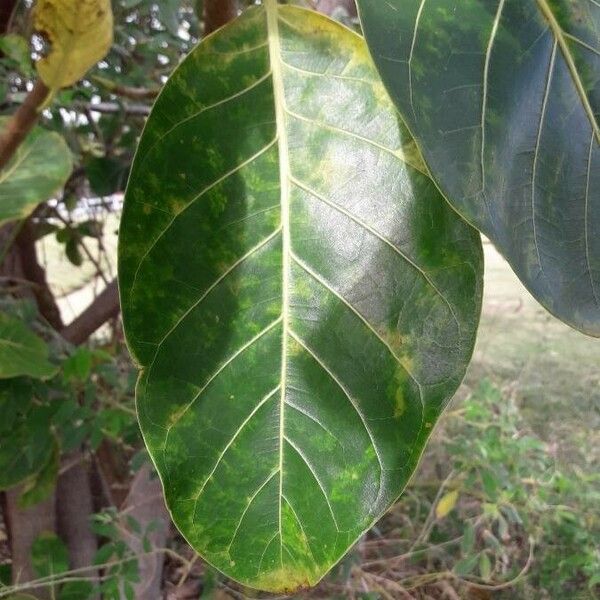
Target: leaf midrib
{"points": [[271, 8], [561, 36]]}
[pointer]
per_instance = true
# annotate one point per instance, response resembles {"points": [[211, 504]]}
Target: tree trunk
{"points": [[328, 6], [24, 526], [73, 509], [145, 504], [217, 13]]}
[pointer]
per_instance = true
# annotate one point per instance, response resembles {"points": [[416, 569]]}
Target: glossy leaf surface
{"points": [[22, 352], [503, 97], [299, 296], [39, 168]]}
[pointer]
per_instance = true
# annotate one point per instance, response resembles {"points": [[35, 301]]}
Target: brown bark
{"points": [[328, 6], [217, 13], [73, 509], [24, 526], [21, 123], [145, 504], [101, 310], [6, 10]]}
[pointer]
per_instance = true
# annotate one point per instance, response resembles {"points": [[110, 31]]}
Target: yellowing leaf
{"points": [[80, 33], [446, 504]]}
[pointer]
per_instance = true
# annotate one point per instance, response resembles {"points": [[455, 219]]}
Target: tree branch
{"points": [[113, 107], [217, 13], [35, 273], [102, 309], [133, 93], [21, 123]]}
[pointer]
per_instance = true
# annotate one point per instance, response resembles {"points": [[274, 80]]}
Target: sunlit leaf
{"points": [[39, 168], [503, 97], [299, 296]]}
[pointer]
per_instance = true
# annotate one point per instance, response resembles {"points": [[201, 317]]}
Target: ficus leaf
{"points": [[503, 98], [300, 298], [80, 33], [40, 167]]}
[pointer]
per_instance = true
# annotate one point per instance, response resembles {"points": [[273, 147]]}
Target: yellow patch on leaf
{"points": [[80, 33], [446, 504]]}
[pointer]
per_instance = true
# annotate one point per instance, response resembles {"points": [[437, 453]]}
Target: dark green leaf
{"points": [[16, 48], [468, 542], [27, 442], [503, 97], [78, 366], [72, 251], [43, 483], [301, 299], [466, 566], [76, 590], [106, 175]]}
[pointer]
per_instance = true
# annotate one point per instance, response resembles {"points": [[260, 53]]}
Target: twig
{"points": [[101, 310], [141, 110], [73, 574], [506, 584], [126, 91]]}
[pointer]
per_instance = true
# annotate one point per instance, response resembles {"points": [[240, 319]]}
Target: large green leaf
{"points": [[503, 97], [39, 168], [299, 296], [22, 352]]}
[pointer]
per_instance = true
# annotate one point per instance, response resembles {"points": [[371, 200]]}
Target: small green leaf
{"points": [[468, 541], [76, 590], [78, 366], [43, 483], [106, 175], [22, 352], [16, 48], [466, 566], [40, 167], [485, 567], [49, 555]]}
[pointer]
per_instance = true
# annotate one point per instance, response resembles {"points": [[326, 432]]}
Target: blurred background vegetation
{"points": [[505, 504]]}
